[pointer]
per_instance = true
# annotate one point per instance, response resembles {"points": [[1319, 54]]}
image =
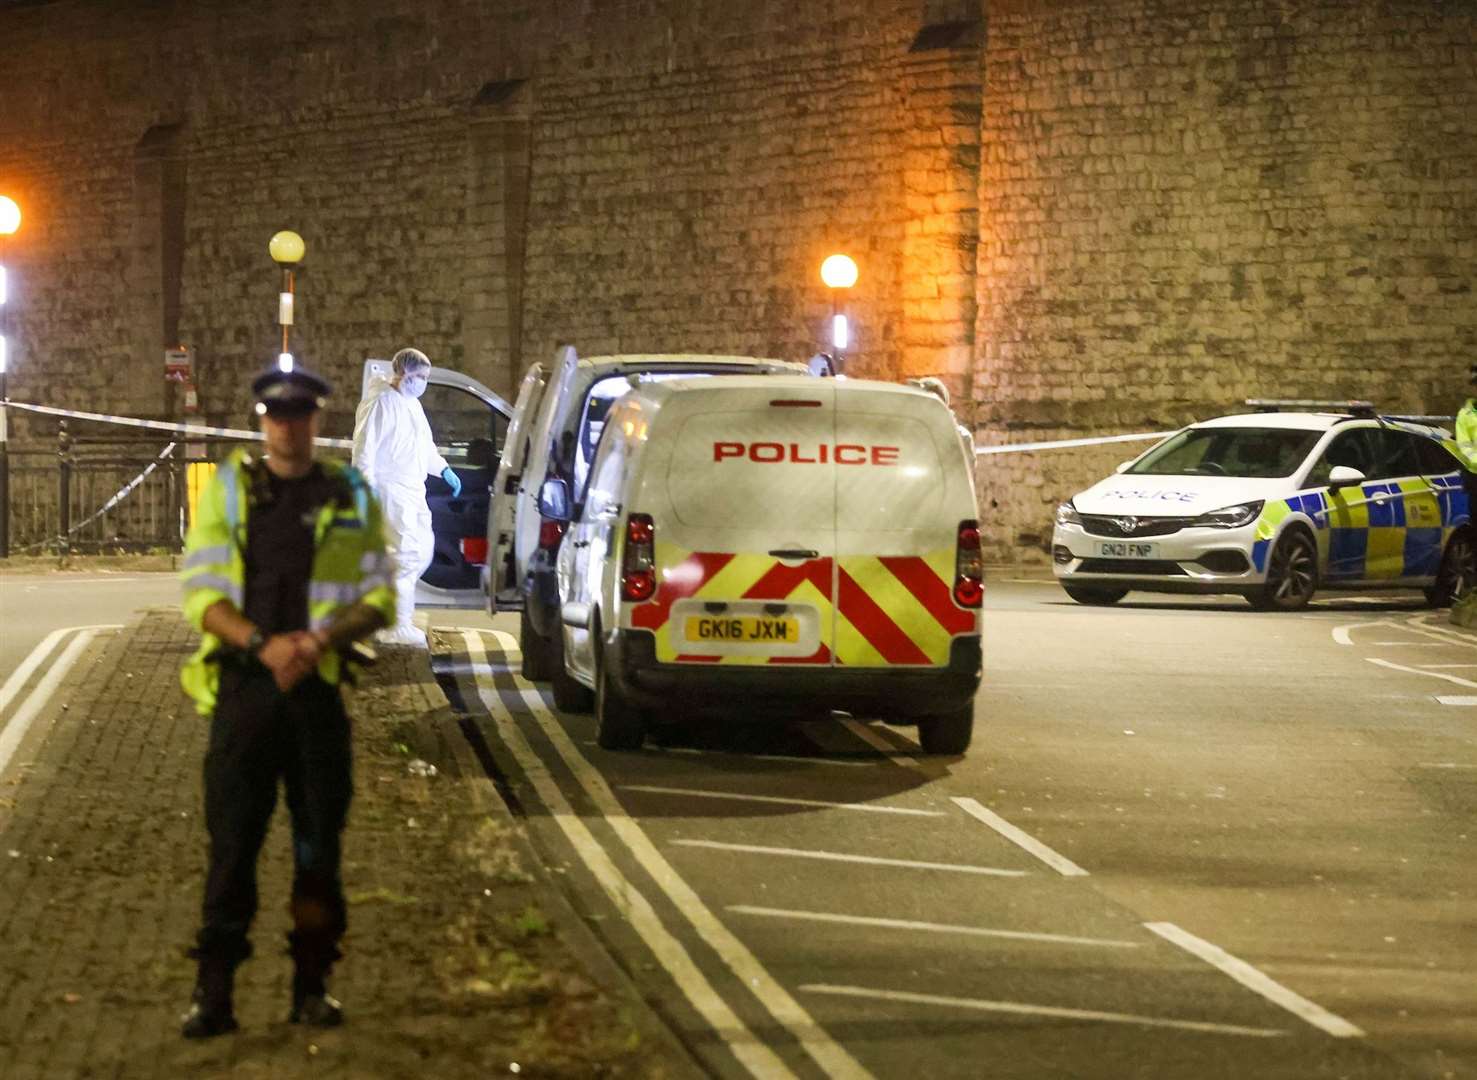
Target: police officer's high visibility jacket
{"points": [[350, 564], [1466, 433]]}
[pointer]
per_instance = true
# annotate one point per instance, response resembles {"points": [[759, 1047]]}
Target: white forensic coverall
{"points": [[394, 450]]}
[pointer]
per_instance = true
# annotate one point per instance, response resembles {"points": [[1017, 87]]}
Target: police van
{"points": [[556, 423], [1274, 505], [795, 543]]}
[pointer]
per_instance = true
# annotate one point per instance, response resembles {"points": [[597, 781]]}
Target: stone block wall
{"points": [[1089, 217], [1183, 205]]}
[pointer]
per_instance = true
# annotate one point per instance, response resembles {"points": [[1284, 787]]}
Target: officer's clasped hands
{"points": [[291, 657]]}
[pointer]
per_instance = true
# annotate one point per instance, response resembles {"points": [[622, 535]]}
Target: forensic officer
{"points": [[285, 568]]}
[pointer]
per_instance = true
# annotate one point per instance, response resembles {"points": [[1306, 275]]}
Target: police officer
{"points": [[285, 568], [1466, 437]]}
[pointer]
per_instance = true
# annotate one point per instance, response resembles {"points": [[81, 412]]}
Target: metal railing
{"points": [[106, 494]]}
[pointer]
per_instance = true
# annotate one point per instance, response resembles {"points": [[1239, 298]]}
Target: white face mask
{"points": [[413, 385]]}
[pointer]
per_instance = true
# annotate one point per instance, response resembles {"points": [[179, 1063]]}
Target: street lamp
{"points": [[838, 272], [10, 221], [287, 250]]}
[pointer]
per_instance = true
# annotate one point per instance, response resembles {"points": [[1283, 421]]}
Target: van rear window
{"points": [[761, 468], [902, 484]]}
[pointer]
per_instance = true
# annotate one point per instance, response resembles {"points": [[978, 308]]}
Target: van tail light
{"points": [[638, 564], [969, 567], [474, 549], [550, 532]]}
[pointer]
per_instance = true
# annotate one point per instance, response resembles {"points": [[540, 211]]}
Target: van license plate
{"points": [[743, 629], [1126, 549]]}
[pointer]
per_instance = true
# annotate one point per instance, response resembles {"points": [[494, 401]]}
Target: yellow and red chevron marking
{"points": [[726, 576], [898, 610], [892, 610]]}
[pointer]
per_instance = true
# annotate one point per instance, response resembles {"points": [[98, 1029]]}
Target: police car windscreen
{"points": [[1229, 451]]}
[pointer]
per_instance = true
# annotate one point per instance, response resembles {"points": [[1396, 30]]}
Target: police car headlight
{"points": [[1066, 514], [1229, 517]]}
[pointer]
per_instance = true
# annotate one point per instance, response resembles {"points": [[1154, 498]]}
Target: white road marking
{"points": [[1411, 644], [698, 793], [1457, 699], [1020, 1009], [1341, 633], [817, 760], [758, 1058], [1060, 863], [1418, 671], [15, 729], [1436, 667], [832, 1058], [1420, 624], [865, 733], [507, 642], [452, 667], [1445, 765], [1257, 981], [31, 584], [836, 856], [28, 666], [928, 927]]}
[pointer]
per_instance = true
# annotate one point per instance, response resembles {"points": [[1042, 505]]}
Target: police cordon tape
{"points": [[188, 430], [1062, 444], [201, 431]]}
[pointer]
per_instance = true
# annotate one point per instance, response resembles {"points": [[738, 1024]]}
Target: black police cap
{"points": [[295, 390]]}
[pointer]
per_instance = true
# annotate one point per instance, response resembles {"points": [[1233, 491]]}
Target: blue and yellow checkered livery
{"points": [[1386, 529]]}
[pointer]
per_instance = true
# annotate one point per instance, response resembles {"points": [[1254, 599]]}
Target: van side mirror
{"points": [[553, 500], [1343, 476]]}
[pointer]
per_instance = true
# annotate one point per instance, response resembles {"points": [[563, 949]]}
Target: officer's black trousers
{"points": [[259, 736]]}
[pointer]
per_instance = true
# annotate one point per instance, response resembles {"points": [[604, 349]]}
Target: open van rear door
{"points": [[502, 589]]}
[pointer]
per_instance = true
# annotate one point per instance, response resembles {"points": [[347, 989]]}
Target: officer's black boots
{"points": [[210, 1008], [313, 953], [312, 1004]]}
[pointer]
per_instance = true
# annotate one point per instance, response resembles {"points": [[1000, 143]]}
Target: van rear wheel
{"points": [[947, 733], [538, 651], [619, 723]]}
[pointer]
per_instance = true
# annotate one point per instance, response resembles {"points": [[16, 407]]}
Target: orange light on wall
{"points": [[839, 272]]}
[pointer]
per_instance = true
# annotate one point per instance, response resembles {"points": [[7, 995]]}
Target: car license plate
{"points": [[1126, 549], [744, 629]]}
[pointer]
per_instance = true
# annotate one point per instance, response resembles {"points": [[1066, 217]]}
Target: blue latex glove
{"points": [[453, 479]]}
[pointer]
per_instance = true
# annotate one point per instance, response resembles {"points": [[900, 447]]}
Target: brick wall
{"points": [[1089, 217]]}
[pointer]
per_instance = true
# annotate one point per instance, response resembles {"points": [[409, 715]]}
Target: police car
{"points": [[1274, 505]]}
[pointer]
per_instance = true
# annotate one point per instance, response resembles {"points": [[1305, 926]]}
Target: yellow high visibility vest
{"points": [[1466, 433], [350, 564]]}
